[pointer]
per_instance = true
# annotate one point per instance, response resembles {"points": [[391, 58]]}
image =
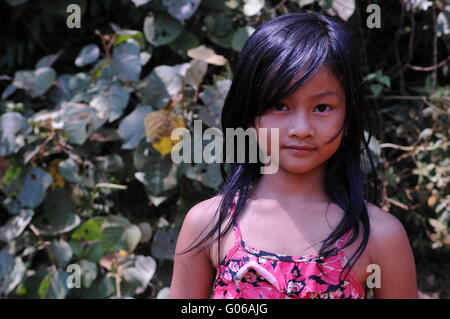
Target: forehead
{"points": [[324, 81]]}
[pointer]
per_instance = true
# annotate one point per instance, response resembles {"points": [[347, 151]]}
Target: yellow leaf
{"points": [[164, 145], [58, 179], [121, 253], [432, 200], [158, 128]]}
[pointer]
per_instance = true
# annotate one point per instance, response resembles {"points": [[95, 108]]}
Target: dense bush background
{"points": [[86, 114]]}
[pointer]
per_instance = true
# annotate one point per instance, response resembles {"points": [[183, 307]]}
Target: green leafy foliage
{"points": [[81, 183]]}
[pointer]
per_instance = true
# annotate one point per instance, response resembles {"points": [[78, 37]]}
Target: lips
{"points": [[301, 147]]}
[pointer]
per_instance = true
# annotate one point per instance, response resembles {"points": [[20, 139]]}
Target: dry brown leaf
{"points": [[207, 55]]}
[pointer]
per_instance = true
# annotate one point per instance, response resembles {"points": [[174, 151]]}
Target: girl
{"points": [[306, 231]]}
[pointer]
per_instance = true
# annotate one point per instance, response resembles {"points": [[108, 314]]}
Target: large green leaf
{"points": [[344, 8], [126, 61], [14, 227], [138, 3], [185, 41], [163, 245], [10, 124], [36, 82], [136, 274], [111, 239], [207, 174], [69, 170], [376, 89], [131, 128], [34, 187], [443, 22], [68, 87], [181, 9], [30, 284], [111, 103], [80, 121], [89, 230], [91, 251], [132, 236], [303, 3], [161, 28], [222, 41], [241, 36], [89, 54], [47, 61], [157, 173], [12, 270], [219, 23], [102, 70], [112, 232], [54, 285], [160, 85], [60, 252], [59, 213], [213, 97], [118, 233], [253, 7], [8, 91], [89, 272], [12, 178]]}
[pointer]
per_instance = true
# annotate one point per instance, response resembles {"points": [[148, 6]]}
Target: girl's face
{"points": [[310, 117]]}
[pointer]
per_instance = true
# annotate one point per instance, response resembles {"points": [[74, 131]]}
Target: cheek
{"points": [[327, 128], [328, 148], [266, 127]]}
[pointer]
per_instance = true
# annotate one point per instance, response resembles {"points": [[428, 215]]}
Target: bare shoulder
{"points": [[392, 252], [383, 222], [193, 272], [203, 212], [386, 231], [200, 219]]}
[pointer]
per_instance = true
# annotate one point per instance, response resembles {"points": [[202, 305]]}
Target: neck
{"points": [[288, 187]]}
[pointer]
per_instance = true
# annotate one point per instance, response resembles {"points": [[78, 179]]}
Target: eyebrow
{"points": [[321, 94], [325, 93]]}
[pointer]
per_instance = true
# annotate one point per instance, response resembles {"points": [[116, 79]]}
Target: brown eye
{"points": [[323, 107], [279, 106]]}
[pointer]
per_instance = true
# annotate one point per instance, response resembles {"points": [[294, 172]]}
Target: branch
{"points": [[428, 68]]}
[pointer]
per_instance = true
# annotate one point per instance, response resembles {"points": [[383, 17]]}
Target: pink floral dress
{"points": [[250, 273]]}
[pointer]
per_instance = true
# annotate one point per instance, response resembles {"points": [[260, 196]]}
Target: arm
{"points": [[393, 254], [192, 275]]}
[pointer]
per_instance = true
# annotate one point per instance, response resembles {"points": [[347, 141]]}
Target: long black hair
{"points": [[267, 72]]}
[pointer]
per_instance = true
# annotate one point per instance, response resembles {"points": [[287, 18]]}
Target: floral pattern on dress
{"points": [[250, 273]]}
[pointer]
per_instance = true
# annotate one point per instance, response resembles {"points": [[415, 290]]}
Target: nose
{"points": [[300, 126]]}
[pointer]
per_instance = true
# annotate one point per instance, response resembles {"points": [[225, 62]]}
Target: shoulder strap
{"points": [[341, 242], [236, 229], [233, 204]]}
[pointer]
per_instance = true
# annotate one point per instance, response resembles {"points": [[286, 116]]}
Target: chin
{"points": [[298, 166]]}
